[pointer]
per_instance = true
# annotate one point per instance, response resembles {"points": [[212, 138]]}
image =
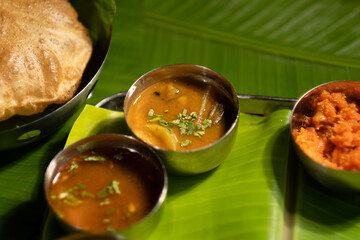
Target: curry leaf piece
{"points": [[103, 193], [185, 143], [115, 186]]}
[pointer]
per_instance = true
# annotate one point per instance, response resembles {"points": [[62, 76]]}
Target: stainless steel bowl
{"points": [[338, 180], [201, 160], [21, 130], [139, 230]]}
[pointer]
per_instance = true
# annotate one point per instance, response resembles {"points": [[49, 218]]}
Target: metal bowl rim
{"points": [[337, 171], [228, 132]]}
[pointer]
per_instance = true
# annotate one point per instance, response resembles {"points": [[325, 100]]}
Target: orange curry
{"points": [[178, 115]]}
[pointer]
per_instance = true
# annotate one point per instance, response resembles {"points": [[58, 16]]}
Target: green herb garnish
{"points": [[199, 133], [190, 128], [185, 123], [105, 202], [111, 188], [86, 194], [207, 123], [175, 122], [110, 211], [115, 186], [73, 168], [154, 119], [193, 115], [185, 143], [72, 200], [93, 158], [82, 186], [165, 123], [103, 193]]}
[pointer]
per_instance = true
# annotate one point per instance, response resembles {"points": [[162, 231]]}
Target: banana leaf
{"points": [[225, 198], [274, 48]]}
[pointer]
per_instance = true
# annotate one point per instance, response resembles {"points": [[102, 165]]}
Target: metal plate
{"points": [[252, 104]]}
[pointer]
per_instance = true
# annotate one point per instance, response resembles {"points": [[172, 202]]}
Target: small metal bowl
{"points": [[190, 162], [334, 179], [140, 229]]}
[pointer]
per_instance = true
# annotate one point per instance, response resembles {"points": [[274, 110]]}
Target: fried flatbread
{"points": [[44, 50]]}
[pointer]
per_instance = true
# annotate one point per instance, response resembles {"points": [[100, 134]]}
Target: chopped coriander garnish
{"points": [[82, 186], [93, 158], [185, 123], [110, 211], [190, 128], [73, 167], [115, 185], [182, 129], [176, 122], [185, 143], [154, 119], [87, 194], [164, 123], [72, 200], [112, 188], [72, 196], [207, 123], [199, 133], [103, 193], [193, 115], [105, 202]]}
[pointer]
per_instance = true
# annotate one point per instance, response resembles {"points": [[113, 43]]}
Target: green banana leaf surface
{"points": [[276, 48]]}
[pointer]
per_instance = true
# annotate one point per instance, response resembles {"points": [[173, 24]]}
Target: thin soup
{"points": [[105, 188]]}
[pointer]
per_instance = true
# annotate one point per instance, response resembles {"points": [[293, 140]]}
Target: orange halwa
{"points": [[331, 135]]}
